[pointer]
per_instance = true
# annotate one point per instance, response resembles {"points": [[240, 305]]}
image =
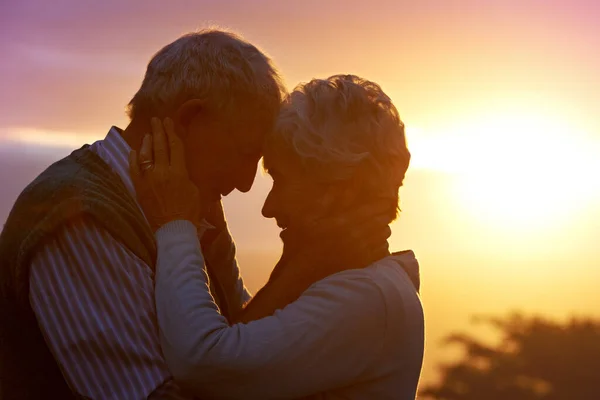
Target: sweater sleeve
{"points": [[324, 340]]}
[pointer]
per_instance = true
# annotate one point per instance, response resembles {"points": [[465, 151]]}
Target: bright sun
{"points": [[516, 170]]}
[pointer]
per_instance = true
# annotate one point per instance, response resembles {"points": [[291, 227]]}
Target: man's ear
{"points": [[188, 110]]}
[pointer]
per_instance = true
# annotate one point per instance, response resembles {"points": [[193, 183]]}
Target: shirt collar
{"points": [[114, 151]]}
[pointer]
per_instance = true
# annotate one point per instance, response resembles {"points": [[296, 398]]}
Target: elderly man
{"points": [[77, 292], [331, 329]]}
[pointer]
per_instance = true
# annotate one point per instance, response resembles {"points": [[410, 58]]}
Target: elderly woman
{"points": [[347, 329]]}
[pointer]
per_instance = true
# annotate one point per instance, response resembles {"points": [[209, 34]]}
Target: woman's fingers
{"points": [[177, 156], [134, 168], [145, 156], [159, 139]]}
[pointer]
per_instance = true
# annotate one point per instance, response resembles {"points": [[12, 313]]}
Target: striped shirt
{"points": [[94, 302]]}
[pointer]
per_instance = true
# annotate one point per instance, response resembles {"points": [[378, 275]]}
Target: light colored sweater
{"points": [[357, 334]]}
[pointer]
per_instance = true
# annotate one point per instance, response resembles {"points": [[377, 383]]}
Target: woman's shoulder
{"points": [[399, 268], [398, 272]]}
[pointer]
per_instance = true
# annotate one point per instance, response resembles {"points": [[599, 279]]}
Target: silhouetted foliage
{"points": [[537, 359]]}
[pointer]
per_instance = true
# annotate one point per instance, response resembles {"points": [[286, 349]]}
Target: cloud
{"points": [[69, 61], [42, 140], [73, 65]]}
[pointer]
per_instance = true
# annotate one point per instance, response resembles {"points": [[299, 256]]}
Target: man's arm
{"points": [[94, 302], [220, 259], [324, 340], [218, 249]]}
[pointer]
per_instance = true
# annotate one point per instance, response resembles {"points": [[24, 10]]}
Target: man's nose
{"points": [[246, 178]]}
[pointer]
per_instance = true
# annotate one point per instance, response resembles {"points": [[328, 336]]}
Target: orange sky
{"points": [[500, 99]]}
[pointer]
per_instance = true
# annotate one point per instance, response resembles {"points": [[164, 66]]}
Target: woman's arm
{"points": [[324, 340]]}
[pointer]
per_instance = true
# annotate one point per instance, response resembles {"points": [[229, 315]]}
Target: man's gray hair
{"points": [[344, 128], [218, 66]]}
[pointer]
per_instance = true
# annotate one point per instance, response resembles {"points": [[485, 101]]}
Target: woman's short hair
{"points": [[344, 128]]}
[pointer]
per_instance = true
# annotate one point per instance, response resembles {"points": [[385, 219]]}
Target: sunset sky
{"points": [[501, 100]]}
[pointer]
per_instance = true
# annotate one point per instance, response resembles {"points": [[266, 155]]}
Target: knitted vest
{"points": [[81, 184]]}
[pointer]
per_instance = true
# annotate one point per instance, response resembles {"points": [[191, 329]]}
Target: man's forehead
{"points": [[250, 138]]}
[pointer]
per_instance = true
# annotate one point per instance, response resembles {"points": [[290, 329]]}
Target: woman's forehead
{"points": [[281, 162]]}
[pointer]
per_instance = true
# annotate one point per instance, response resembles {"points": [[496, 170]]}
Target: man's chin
{"points": [[290, 236], [226, 192]]}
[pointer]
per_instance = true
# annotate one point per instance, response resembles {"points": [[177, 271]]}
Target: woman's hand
{"points": [[161, 181]]}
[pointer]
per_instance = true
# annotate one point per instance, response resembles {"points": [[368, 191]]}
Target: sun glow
{"points": [[517, 170], [48, 138]]}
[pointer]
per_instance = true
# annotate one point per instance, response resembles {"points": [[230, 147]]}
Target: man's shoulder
{"points": [[67, 185], [42, 195], [55, 173], [63, 177], [79, 185]]}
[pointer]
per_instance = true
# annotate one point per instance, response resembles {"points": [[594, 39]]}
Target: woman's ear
{"points": [[349, 196], [336, 198]]}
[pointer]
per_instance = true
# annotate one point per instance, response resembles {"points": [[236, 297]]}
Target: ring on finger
{"points": [[146, 165]]}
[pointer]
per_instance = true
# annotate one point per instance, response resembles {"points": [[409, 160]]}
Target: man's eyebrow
{"points": [[249, 147]]}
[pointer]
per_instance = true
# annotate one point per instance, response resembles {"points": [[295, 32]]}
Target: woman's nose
{"points": [[268, 210]]}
